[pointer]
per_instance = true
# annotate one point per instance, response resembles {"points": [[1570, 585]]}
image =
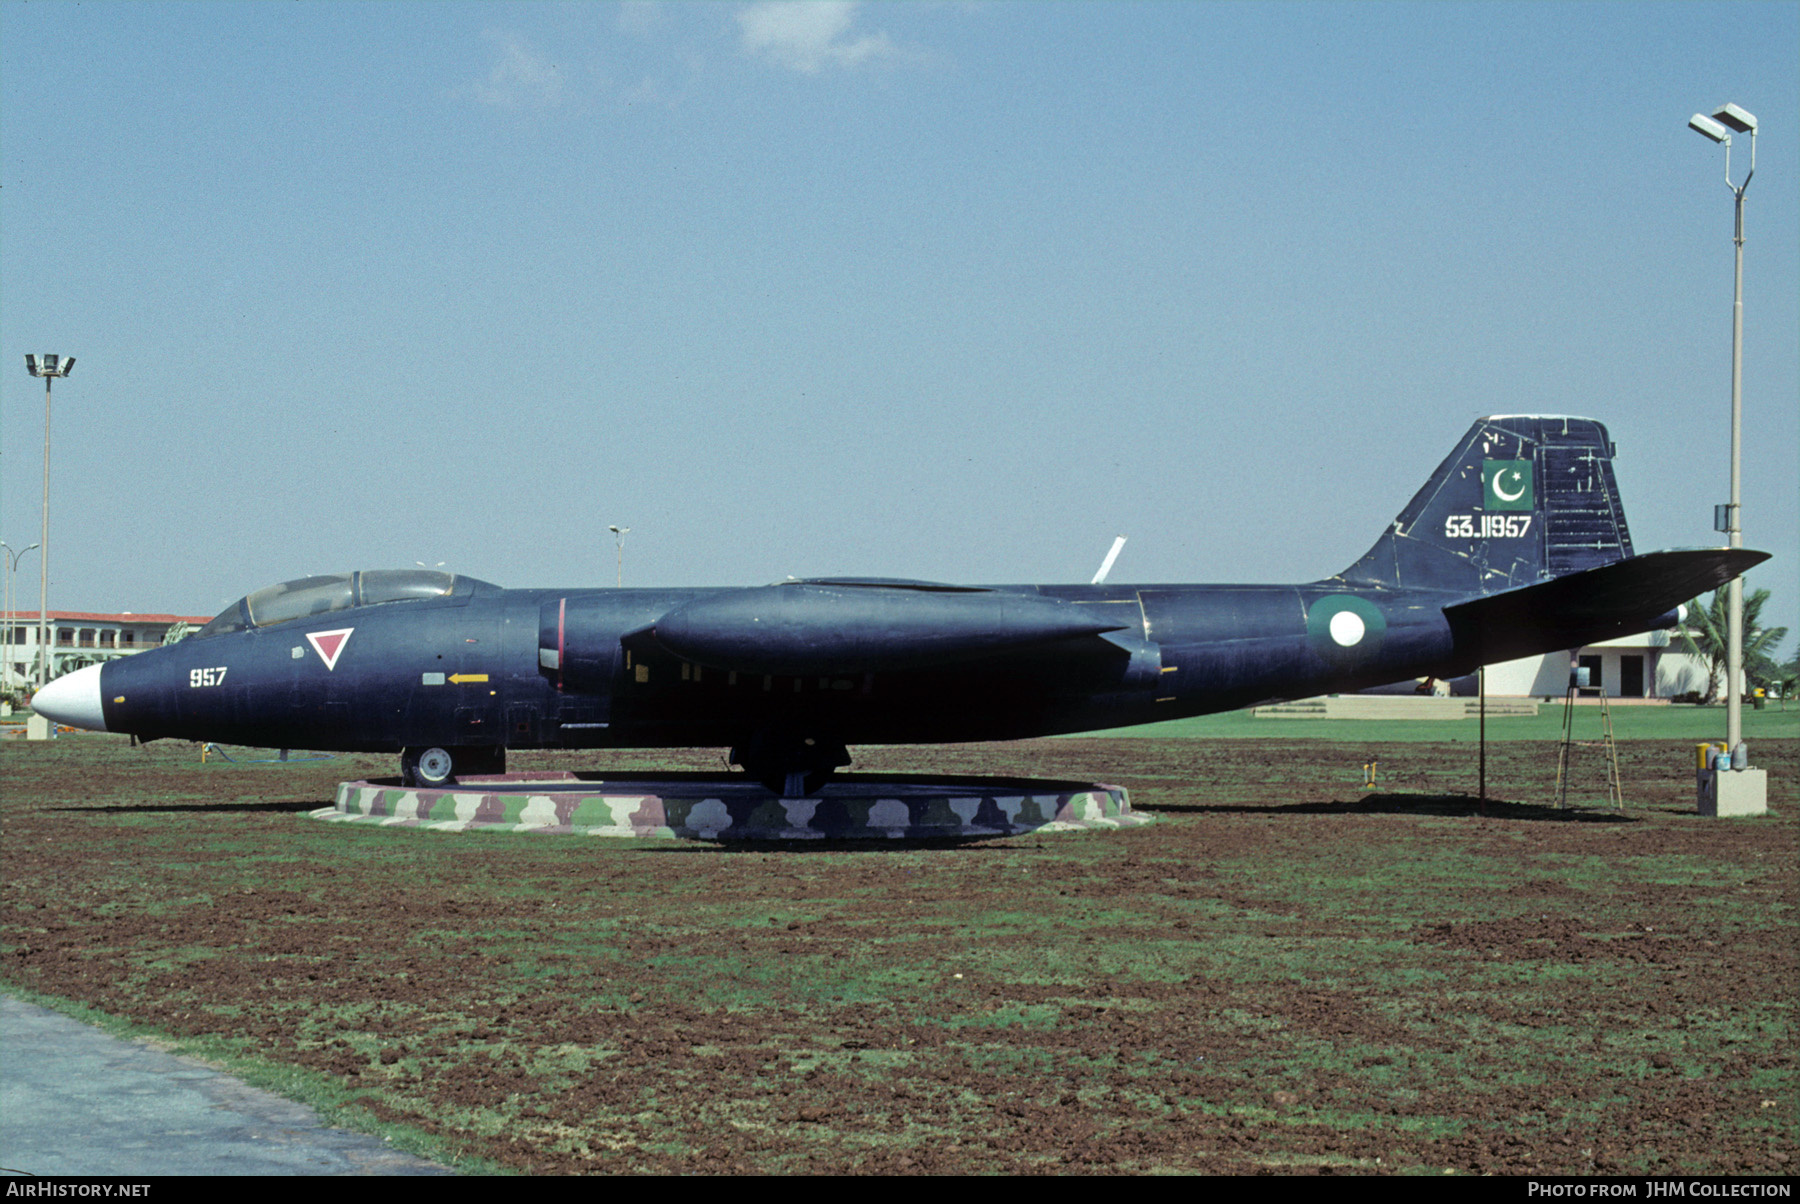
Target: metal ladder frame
{"points": [[1566, 749]]}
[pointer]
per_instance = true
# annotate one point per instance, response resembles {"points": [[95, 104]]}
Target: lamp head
{"points": [[1709, 127], [50, 365], [1736, 118]]}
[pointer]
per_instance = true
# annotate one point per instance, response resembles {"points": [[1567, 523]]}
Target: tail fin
{"points": [[1522, 499]]}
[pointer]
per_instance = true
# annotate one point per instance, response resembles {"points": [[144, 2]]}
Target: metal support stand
{"points": [[1481, 688], [1565, 755]]}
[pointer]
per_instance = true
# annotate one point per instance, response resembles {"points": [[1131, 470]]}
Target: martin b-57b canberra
{"points": [[1516, 545]]}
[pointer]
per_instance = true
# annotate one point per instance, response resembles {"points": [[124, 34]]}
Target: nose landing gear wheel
{"points": [[427, 767], [430, 767]]}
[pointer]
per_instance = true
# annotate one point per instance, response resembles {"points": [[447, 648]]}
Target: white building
{"points": [[1651, 665], [77, 638]]}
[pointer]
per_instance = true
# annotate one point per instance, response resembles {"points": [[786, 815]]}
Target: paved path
{"points": [[74, 1101]]}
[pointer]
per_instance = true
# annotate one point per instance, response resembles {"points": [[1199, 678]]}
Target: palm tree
{"points": [[1788, 680], [1705, 635]]}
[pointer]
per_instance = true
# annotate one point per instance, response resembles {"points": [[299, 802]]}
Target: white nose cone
{"points": [[73, 699]]}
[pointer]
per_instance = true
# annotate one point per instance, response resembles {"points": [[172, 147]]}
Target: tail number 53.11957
{"points": [[206, 677], [1486, 526]]}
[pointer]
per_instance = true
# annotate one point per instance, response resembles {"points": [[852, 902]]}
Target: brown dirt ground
{"points": [[383, 971]]}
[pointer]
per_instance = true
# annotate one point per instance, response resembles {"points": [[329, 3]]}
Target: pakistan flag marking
{"points": [[1506, 485]]}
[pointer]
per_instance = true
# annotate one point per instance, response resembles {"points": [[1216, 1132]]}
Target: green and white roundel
{"points": [[1344, 627]]}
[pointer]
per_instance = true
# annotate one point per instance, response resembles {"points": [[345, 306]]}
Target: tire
{"points": [[431, 767], [427, 767]]}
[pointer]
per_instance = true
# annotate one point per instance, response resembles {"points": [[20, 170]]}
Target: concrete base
{"points": [[702, 807], [39, 728], [1732, 792]]}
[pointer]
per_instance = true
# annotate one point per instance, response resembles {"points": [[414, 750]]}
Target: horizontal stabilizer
{"points": [[1622, 598], [842, 627]]}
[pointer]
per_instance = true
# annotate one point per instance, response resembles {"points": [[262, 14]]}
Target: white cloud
{"points": [[522, 78], [809, 35]]}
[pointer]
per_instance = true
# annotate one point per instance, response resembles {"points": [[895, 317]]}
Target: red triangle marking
{"points": [[329, 644]]}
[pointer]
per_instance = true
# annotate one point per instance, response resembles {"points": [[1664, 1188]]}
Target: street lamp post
{"points": [[12, 570], [619, 534], [52, 367], [1718, 127]]}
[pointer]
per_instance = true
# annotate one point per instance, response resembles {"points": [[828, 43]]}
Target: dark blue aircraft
{"points": [[1517, 545]]}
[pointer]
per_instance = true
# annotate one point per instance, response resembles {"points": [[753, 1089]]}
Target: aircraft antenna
{"points": [[1106, 565]]}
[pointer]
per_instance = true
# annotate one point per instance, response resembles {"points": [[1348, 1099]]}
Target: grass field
{"points": [[1690, 723], [1284, 972]]}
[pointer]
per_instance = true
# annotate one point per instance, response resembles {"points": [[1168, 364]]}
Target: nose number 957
{"points": [[206, 677]]}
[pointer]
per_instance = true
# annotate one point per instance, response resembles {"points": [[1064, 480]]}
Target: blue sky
{"points": [[954, 291]]}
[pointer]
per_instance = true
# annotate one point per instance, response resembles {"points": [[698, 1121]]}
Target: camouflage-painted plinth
{"points": [[702, 808]]}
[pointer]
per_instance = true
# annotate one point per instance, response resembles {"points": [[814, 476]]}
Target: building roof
{"points": [[83, 616]]}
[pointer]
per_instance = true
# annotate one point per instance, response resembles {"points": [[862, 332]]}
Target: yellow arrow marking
{"points": [[457, 679]]}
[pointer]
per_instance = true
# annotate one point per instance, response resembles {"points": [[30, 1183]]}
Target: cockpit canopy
{"points": [[311, 596]]}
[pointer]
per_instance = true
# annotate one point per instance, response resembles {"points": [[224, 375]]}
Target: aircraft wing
{"points": [[1636, 594], [864, 626]]}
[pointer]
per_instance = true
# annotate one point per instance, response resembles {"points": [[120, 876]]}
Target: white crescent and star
{"points": [[1505, 496]]}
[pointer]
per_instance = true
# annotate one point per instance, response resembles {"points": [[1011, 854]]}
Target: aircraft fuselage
{"points": [[485, 668], [1516, 545]]}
